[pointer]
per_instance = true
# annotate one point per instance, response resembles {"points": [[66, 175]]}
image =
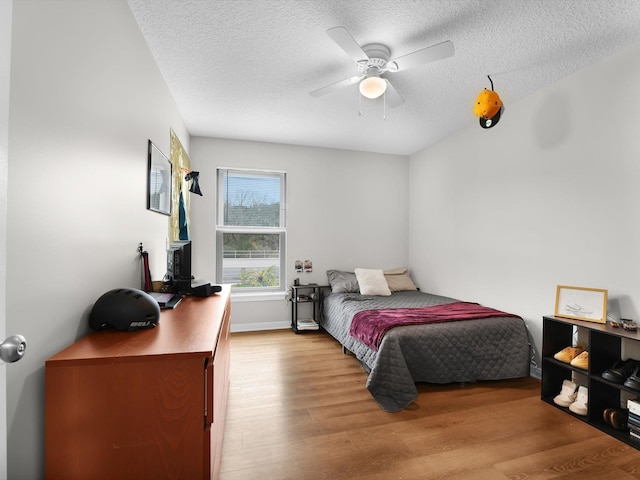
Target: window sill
{"points": [[258, 297]]}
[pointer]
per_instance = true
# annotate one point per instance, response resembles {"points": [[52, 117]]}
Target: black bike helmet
{"points": [[124, 309]]}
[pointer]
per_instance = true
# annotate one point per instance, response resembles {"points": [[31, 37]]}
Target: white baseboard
{"points": [[256, 327], [535, 372]]}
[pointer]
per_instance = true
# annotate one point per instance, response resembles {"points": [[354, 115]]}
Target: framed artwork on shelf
{"points": [[159, 181], [581, 303]]}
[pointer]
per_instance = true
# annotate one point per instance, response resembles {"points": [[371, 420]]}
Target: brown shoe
{"points": [[569, 353], [581, 361], [616, 417]]}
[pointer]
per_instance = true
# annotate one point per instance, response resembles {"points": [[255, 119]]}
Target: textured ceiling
{"points": [[243, 69]]}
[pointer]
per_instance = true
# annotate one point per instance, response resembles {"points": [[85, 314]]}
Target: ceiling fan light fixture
{"points": [[373, 87]]}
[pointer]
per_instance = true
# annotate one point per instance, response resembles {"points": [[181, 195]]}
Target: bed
{"points": [[492, 348]]}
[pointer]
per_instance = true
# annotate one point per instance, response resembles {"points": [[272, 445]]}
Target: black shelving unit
{"points": [[604, 344], [311, 295]]}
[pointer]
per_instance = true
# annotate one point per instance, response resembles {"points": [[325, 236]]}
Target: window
{"points": [[250, 230]]}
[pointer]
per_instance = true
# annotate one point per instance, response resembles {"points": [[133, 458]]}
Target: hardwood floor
{"points": [[299, 409]]}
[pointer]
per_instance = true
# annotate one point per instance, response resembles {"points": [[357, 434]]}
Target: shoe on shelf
{"points": [[620, 371], [567, 395], [633, 381], [569, 353], [579, 406], [581, 361], [616, 417]]}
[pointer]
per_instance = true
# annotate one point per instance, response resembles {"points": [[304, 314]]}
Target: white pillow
{"points": [[372, 282]]}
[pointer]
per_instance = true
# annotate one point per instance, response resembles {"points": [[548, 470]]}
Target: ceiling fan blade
{"points": [[392, 97], [336, 86], [420, 57], [343, 38]]}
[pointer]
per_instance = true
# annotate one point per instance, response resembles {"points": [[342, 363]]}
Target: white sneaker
{"points": [[580, 405], [567, 395]]}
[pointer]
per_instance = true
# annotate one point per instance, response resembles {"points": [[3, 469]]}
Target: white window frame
{"points": [[221, 229]]}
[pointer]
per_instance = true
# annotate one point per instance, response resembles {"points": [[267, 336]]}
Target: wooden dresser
{"points": [[142, 405]]}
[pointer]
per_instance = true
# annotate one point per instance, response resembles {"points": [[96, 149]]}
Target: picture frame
{"points": [[159, 181], [581, 303], [308, 266]]}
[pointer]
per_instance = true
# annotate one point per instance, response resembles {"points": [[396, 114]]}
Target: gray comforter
{"points": [[463, 351]]}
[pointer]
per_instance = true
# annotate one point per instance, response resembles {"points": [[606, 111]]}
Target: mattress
{"points": [[494, 348]]}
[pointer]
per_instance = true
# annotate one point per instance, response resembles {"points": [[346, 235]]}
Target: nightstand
{"points": [[306, 307]]}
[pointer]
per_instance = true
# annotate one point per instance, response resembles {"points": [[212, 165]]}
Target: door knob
{"points": [[13, 348]]}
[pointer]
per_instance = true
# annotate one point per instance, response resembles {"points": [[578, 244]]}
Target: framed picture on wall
{"points": [[159, 181], [581, 303]]}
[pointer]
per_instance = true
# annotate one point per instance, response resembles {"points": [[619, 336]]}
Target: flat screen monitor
{"points": [[179, 262]]}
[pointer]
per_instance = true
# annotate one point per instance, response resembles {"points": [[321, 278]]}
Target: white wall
{"points": [[345, 210], [86, 96], [548, 196]]}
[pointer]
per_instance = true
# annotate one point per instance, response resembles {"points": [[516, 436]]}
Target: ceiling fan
{"points": [[373, 62]]}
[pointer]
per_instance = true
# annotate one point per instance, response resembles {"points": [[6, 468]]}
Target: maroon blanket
{"points": [[369, 326]]}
